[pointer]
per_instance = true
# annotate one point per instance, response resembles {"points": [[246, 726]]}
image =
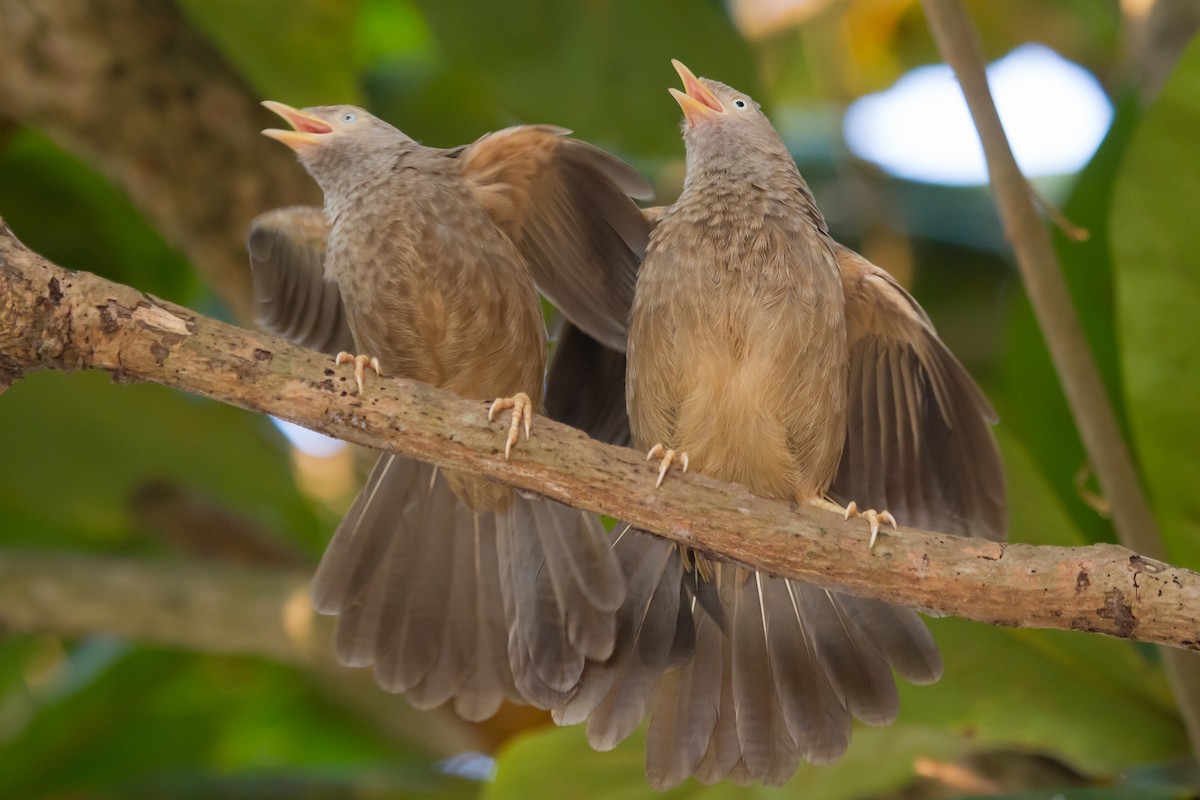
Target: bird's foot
{"points": [[522, 410], [668, 457], [874, 518], [361, 364]]}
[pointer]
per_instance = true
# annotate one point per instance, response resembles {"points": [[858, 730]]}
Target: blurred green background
{"points": [[190, 515]]}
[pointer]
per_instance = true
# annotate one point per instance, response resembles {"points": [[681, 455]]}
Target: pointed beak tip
{"points": [[696, 100], [281, 109], [682, 70]]}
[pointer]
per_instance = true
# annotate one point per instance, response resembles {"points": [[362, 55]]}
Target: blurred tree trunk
{"points": [[1156, 34], [131, 88]]}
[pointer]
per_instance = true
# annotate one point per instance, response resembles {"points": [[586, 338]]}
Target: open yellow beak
{"points": [[696, 100], [306, 129]]}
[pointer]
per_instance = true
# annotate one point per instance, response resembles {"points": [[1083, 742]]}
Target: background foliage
{"points": [[98, 717]]}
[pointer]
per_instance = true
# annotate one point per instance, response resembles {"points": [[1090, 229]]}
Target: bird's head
{"points": [[335, 143], [722, 126]]}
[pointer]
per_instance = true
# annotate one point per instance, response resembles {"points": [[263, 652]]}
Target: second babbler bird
{"points": [[773, 357], [454, 587]]}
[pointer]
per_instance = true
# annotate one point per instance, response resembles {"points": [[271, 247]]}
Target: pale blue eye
{"points": [[348, 117]]}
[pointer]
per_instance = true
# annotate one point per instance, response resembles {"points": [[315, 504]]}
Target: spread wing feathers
{"points": [[918, 439], [451, 604], [613, 695], [585, 387], [566, 205], [292, 297], [562, 590]]}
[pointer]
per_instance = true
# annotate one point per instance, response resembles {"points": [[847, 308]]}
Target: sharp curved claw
{"points": [[668, 457], [522, 412], [874, 518], [361, 364]]}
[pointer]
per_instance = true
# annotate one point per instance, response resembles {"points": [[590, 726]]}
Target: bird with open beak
{"points": [[424, 263], [764, 353]]}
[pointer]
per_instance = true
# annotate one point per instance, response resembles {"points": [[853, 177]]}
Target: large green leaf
{"points": [[65, 211], [1072, 695], [81, 446], [148, 723], [557, 762], [1106, 793], [1029, 394], [1156, 247]]}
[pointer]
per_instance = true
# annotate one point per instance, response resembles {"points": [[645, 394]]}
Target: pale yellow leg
{"points": [[874, 518], [522, 410]]}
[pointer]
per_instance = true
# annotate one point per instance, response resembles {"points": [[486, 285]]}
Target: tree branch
{"points": [[54, 319], [211, 607], [1135, 524]]}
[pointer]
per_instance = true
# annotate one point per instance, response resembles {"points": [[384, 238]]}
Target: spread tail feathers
{"points": [[449, 603], [775, 676]]}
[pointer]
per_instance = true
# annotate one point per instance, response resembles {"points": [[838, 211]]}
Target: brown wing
{"points": [[566, 205], [292, 298], [918, 438], [585, 386]]}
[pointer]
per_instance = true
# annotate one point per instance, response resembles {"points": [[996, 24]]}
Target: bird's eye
{"points": [[739, 103], [348, 117]]}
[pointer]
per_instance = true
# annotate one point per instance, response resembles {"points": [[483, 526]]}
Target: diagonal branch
{"points": [[1107, 451], [54, 319]]}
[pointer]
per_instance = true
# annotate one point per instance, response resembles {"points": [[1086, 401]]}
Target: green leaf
{"points": [[1105, 793], [63, 210], [1029, 394], [149, 723], [557, 762], [1071, 695], [86, 445], [1156, 247]]}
